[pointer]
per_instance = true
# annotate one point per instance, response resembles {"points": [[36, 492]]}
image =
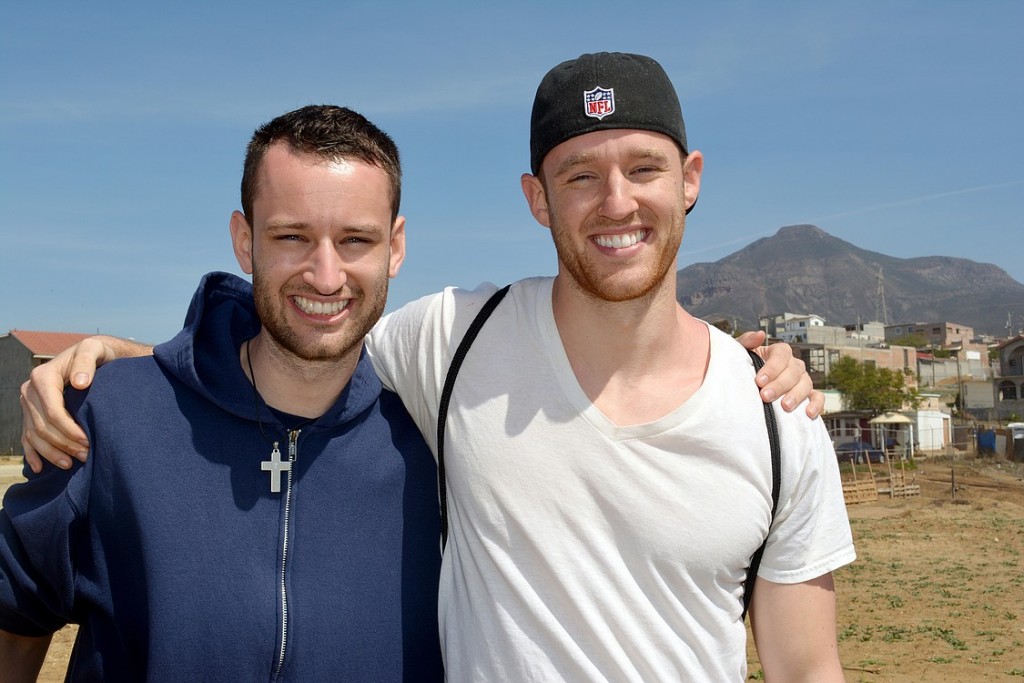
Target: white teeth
{"points": [[619, 241], [320, 307]]}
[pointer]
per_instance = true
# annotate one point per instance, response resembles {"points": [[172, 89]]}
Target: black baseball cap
{"points": [[603, 91]]}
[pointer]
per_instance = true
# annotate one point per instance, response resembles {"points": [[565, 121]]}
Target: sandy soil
{"points": [[937, 592]]}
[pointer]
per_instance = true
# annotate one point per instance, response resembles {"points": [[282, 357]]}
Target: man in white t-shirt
{"points": [[608, 464]]}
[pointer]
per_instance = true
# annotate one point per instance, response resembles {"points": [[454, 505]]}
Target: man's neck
{"points": [[293, 385], [637, 360]]}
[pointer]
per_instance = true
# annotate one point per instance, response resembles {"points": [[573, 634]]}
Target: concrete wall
{"points": [[943, 371]]}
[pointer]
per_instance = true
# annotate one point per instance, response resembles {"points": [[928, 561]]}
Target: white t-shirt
{"points": [[580, 550]]}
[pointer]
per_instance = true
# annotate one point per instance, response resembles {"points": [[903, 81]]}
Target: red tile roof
{"points": [[47, 344], [1012, 340]]}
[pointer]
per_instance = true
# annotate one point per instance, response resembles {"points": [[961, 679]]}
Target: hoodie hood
{"points": [[205, 355]]}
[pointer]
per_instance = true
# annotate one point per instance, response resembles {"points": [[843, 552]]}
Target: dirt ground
{"points": [[937, 591]]}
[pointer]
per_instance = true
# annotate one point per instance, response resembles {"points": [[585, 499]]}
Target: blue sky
{"points": [[894, 125]]}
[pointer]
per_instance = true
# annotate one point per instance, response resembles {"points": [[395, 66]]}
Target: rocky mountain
{"points": [[803, 269]]}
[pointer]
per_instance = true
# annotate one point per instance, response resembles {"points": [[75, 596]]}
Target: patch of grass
{"points": [[847, 632], [891, 634], [871, 662], [944, 634]]}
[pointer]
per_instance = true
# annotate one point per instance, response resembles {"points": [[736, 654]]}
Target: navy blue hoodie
{"points": [[179, 563]]}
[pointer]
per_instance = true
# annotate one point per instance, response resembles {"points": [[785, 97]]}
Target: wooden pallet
{"points": [[898, 486], [863, 491]]}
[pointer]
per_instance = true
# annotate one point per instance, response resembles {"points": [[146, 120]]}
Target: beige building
{"points": [[1008, 384], [941, 335]]}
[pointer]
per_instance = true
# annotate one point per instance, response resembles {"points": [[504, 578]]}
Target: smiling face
{"points": [[615, 202], [321, 250]]}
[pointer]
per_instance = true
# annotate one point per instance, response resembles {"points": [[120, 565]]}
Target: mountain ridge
{"points": [[803, 269]]}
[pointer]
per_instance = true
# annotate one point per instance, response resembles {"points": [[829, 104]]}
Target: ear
{"points": [[693, 167], [241, 241], [397, 246], [533, 190]]}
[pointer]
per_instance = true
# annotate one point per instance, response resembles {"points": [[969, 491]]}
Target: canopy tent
{"points": [[891, 418], [896, 423]]}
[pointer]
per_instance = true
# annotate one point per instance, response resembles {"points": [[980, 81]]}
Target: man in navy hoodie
{"points": [[256, 507]]}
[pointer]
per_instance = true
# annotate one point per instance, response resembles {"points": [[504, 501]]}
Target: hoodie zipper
{"points": [[293, 454]]}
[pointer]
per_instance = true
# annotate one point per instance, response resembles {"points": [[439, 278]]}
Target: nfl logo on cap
{"points": [[599, 102]]}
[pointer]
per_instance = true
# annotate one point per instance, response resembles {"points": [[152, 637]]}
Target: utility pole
{"points": [[881, 313], [960, 413]]}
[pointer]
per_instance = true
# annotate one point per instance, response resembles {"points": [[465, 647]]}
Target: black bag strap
{"points": [[446, 397], [773, 440]]}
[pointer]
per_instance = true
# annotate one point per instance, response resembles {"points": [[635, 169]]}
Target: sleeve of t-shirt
{"points": [[411, 349], [811, 534], [39, 523]]}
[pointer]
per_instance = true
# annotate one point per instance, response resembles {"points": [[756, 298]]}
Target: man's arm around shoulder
{"points": [[22, 657], [794, 629], [48, 431]]}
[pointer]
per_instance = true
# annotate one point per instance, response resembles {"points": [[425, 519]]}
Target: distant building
{"points": [[821, 346], [820, 357], [20, 351], [961, 366], [963, 355], [873, 331], [775, 323], [941, 335], [1008, 384], [802, 329]]}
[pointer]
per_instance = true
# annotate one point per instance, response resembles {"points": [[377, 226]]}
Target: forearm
{"points": [[22, 657], [826, 669], [794, 628]]}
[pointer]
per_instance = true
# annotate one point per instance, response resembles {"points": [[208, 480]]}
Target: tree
{"points": [[917, 340], [725, 326], [866, 387]]}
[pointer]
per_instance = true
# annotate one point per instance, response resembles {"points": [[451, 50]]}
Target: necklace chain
{"points": [[258, 400]]}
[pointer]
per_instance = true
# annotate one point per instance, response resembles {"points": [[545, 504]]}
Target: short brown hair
{"points": [[327, 131]]}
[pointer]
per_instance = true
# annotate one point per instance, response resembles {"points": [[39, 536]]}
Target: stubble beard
{"points": [[271, 309], [585, 275]]}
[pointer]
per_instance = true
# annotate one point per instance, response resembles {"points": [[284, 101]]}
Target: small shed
{"points": [[932, 429], [1015, 448]]}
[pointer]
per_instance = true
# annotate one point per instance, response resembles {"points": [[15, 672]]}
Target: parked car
{"points": [[858, 452]]}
